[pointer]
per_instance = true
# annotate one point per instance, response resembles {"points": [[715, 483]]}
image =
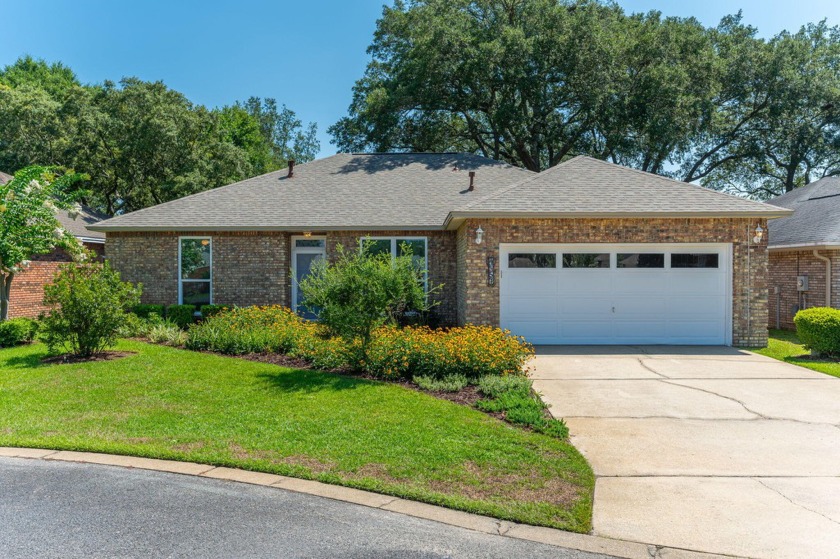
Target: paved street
{"points": [[59, 509], [713, 449]]}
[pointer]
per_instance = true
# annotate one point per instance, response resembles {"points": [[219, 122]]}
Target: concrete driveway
{"points": [[711, 449]]}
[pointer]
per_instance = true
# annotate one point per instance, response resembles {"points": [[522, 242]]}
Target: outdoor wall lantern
{"points": [[479, 235], [759, 233], [307, 234]]}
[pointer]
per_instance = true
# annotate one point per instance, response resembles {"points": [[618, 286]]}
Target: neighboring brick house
{"points": [[27, 292], [805, 251], [586, 252]]}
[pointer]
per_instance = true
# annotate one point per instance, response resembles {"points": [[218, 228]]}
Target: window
{"points": [[195, 264], [587, 260], [397, 246], [532, 260], [641, 260], [309, 243], [694, 260]]}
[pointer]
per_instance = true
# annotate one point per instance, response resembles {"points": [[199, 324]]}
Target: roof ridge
{"points": [[217, 189], [517, 184]]}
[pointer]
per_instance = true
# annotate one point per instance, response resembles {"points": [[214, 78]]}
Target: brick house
{"points": [[805, 251], [586, 252], [27, 292]]}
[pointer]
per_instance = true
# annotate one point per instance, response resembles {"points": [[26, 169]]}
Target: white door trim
{"points": [[322, 250], [725, 250]]}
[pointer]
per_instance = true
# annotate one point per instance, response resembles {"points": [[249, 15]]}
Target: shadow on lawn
{"points": [[301, 380], [30, 361]]}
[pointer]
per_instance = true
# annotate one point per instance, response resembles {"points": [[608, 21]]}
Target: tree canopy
{"points": [[534, 82], [141, 143]]}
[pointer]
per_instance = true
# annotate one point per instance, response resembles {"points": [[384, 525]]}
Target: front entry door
{"points": [[306, 251]]}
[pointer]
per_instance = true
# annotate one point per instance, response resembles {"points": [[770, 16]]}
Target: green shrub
{"points": [[143, 311], [451, 383], [182, 315], [361, 291], [818, 328], [494, 386], [210, 310], [136, 327], [16, 331], [167, 333], [87, 305], [471, 351]]}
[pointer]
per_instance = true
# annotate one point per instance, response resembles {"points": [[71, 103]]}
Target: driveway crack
{"points": [[794, 503], [648, 368], [730, 398]]}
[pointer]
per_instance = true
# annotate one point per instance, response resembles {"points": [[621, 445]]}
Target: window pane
{"points": [[695, 260], [641, 260], [532, 260], [195, 258], [196, 292], [586, 260], [304, 243], [377, 246], [415, 247]]}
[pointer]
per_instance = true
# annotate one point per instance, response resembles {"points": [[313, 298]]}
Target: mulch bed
{"points": [[65, 358]]}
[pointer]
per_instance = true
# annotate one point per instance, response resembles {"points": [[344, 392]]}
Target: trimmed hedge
{"points": [[143, 311], [818, 328], [210, 310], [17, 331], [182, 315]]}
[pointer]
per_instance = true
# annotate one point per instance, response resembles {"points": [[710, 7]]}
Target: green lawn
{"points": [[182, 405], [785, 346]]}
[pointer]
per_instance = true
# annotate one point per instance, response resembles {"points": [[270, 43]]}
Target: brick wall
{"points": [[27, 292], [785, 300], [479, 303], [441, 262], [249, 267]]}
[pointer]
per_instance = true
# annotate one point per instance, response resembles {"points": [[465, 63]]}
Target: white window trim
{"points": [[181, 280], [395, 251]]}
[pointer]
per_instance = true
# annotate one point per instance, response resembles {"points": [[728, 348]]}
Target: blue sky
{"points": [[306, 54]]}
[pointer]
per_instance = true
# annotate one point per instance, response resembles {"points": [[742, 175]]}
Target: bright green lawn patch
{"points": [[785, 346], [183, 405]]}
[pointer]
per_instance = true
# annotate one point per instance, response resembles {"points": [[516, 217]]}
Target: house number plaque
{"points": [[491, 271]]}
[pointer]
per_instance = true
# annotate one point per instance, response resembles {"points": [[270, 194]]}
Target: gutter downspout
{"points": [[827, 261]]}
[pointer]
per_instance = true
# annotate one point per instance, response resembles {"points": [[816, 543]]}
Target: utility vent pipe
{"points": [[291, 168], [472, 181]]}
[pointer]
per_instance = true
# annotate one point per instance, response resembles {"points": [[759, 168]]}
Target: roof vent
{"points": [[472, 181], [291, 168]]}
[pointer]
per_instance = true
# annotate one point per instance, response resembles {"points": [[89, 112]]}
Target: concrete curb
{"points": [[550, 536]]}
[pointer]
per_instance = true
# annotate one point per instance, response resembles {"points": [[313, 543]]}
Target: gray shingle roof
{"points": [[425, 191], [586, 186], [345, 191], [5, 177], [816, 218], [78, 226]]}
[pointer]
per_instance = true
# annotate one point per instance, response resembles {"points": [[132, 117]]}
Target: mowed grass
{"points": [[785, 346], [182, 405]]}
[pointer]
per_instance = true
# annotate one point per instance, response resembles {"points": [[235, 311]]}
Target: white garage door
{"points": [[617, 293]]}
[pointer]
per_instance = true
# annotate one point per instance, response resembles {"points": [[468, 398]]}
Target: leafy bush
{"points": [[818, 328], [143, 311], [494, 386], [167, 333], [87, 305], [471, 351], [362, 291], [451, 383], [182, 315], [136, 327], [210, 310], [17, 331]]}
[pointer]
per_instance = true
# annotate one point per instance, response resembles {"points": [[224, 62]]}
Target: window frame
{"points": [[395, 248], [181, 280]]}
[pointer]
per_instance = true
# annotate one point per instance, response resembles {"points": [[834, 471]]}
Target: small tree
{"points": [[28, 224], [362, 291], [88, 303]]}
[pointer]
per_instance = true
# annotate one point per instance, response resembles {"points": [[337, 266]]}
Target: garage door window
{"points": [[694, 260], [586, 260], [532, 260], [641, 260]]}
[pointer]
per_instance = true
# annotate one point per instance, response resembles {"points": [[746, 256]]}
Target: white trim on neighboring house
{"points": [[92, 240], [181, 280]]}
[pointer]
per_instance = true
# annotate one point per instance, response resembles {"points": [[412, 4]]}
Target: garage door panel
{"points": [[619, 305]]}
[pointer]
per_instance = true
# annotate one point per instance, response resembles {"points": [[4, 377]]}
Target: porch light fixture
{"points": [[307, 233], [479, 235], [759, 233], [205, 242]]}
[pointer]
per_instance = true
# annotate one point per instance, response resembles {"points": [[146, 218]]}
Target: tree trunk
{"points": [[5, 291]]}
